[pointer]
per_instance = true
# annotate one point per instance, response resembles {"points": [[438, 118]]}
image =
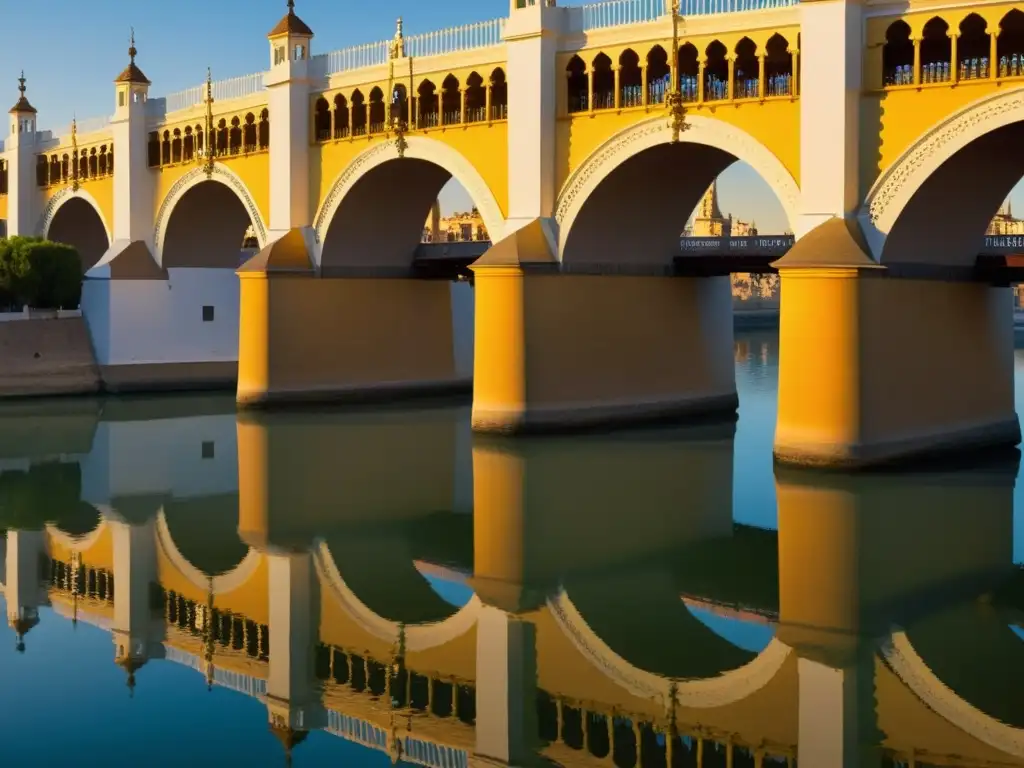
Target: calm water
{"points": [[184, 586]]}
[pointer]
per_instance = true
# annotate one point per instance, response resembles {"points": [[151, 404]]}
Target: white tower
{"points": [[133, 194], [20, 149], [288, 85]]}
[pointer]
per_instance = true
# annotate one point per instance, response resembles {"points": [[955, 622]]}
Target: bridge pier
{"points": [[310, 337], [557, 350], [860, 382]]}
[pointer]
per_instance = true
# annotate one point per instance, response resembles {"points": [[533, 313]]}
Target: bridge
{"points": [[581, 134], [621, 631]]}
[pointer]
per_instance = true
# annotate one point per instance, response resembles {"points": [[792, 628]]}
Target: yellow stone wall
{"points": [[252, 169], [894, 117]]}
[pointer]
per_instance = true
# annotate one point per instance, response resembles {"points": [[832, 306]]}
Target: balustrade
{"points": [[80, 580], [224, 628], [234, 136], [350, 116], [969, 53]]}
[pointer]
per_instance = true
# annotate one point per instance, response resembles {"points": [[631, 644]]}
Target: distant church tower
{"points": [[708, 221], [1003, 222]]}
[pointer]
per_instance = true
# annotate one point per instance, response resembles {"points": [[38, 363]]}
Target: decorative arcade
{"points": [[584, 136]]}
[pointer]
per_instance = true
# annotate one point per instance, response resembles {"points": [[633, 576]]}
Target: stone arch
{"points": [[925, 184], [714, 145], [75, 218], [426, 167], [418, 637], [901, 656], [190, 181], [223, 583], [729, 688]]}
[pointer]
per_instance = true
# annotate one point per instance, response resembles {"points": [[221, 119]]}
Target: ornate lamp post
{"points": [[674, 97], [74, 155], [398, 124], [207, 156]]}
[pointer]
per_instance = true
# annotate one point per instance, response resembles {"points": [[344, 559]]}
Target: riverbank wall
{"points": [[47, 354]]}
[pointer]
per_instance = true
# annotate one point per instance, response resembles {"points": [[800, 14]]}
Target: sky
{"points": [[70, 62]]}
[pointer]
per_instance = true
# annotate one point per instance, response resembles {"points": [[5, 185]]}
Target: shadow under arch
{"points": [[80, 538], [419, 636], [349, 222], [918, 210], [218, 209], [591, 206], [716, 690], [225, 578], [76, 219]]}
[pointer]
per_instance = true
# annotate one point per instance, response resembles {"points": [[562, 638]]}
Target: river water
{"points": [[186, 586]]}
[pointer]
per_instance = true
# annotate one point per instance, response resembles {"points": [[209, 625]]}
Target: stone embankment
{"points": [[42, 354]]}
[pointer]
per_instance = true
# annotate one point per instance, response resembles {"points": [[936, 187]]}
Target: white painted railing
{"points": [[481, 34], [355, 57], [89, 125], [615, 13], [223, 90]]}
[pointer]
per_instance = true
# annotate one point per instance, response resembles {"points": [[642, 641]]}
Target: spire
{"points": [[290, 24], [131, 73], [398, 42], [22, 105], [708, 207]]}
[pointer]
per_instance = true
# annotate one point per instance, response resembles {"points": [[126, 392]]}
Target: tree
{"points": [[39, 273]]}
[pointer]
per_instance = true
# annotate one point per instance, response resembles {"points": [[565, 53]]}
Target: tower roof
{"points": [[290, 24], [22, 105], [708, 208], [131, 73]]}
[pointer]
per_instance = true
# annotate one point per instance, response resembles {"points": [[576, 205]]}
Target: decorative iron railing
{"points": [[223, 90], [480, 34], [615, 13]]}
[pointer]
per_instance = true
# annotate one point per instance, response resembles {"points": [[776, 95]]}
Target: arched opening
{"points": [[603, 82], [263, 130], [898, 55], [399, 107], [235, 136], [358, 113], [1010, 44], [189, 146], [936, 51], [747, 78], [578, 87], [77, 224], [377, 112], [778, 65], [250, 134], [973, 48], [630, 79], [165, 148], [205, 532], [657, 75], [206, 228], [341, 118], [322, 120], [426, 99], [499, 95], [451, 101], [689, 72], [716, 72], [476, 98], [176, 146]]}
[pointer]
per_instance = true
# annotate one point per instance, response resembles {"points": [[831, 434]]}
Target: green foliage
{"points": [[39, 273], [46, 493]]}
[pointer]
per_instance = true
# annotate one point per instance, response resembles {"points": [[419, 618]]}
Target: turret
{"points": [[20, 152], [132, 85], [289, 39]]}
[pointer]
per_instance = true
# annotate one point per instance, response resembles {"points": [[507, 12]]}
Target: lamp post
{"points": [[674, 97]]}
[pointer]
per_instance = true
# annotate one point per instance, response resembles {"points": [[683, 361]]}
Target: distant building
{"points": [[459, 227], [708, 220], [1003, 222]]}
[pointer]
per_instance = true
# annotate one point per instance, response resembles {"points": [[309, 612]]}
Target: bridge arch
{"points": [[901, 656], [75, 217], [223, 583], [418, 637], [920, 209], [349, 211], [77, 542], [219, 209], [587, 193], [728, 688]]}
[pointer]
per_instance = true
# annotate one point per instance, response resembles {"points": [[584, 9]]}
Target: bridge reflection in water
{"points": [[456, 601]]}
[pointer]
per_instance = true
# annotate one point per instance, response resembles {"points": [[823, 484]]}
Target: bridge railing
{"points": [[223, 90], [615, 13], [467, 37]]}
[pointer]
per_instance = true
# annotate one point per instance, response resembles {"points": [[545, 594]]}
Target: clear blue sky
{"points": [[71, 57]]}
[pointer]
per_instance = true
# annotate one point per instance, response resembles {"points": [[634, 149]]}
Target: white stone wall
{"points": [[161, 321]]}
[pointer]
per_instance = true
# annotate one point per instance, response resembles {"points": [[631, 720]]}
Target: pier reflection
{"points": [[449, 601]]}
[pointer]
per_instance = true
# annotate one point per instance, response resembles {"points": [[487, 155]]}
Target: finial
{"points": [[398, 28], [131, 46], [21, 83], [291, 7]]}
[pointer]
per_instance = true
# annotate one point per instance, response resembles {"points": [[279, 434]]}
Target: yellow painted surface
{"points": [[253, 170], [99, 553], [318, 341], [3, 207], [101, 190], [774, 122], [484, 146], [569, 357], [856, 380]]}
